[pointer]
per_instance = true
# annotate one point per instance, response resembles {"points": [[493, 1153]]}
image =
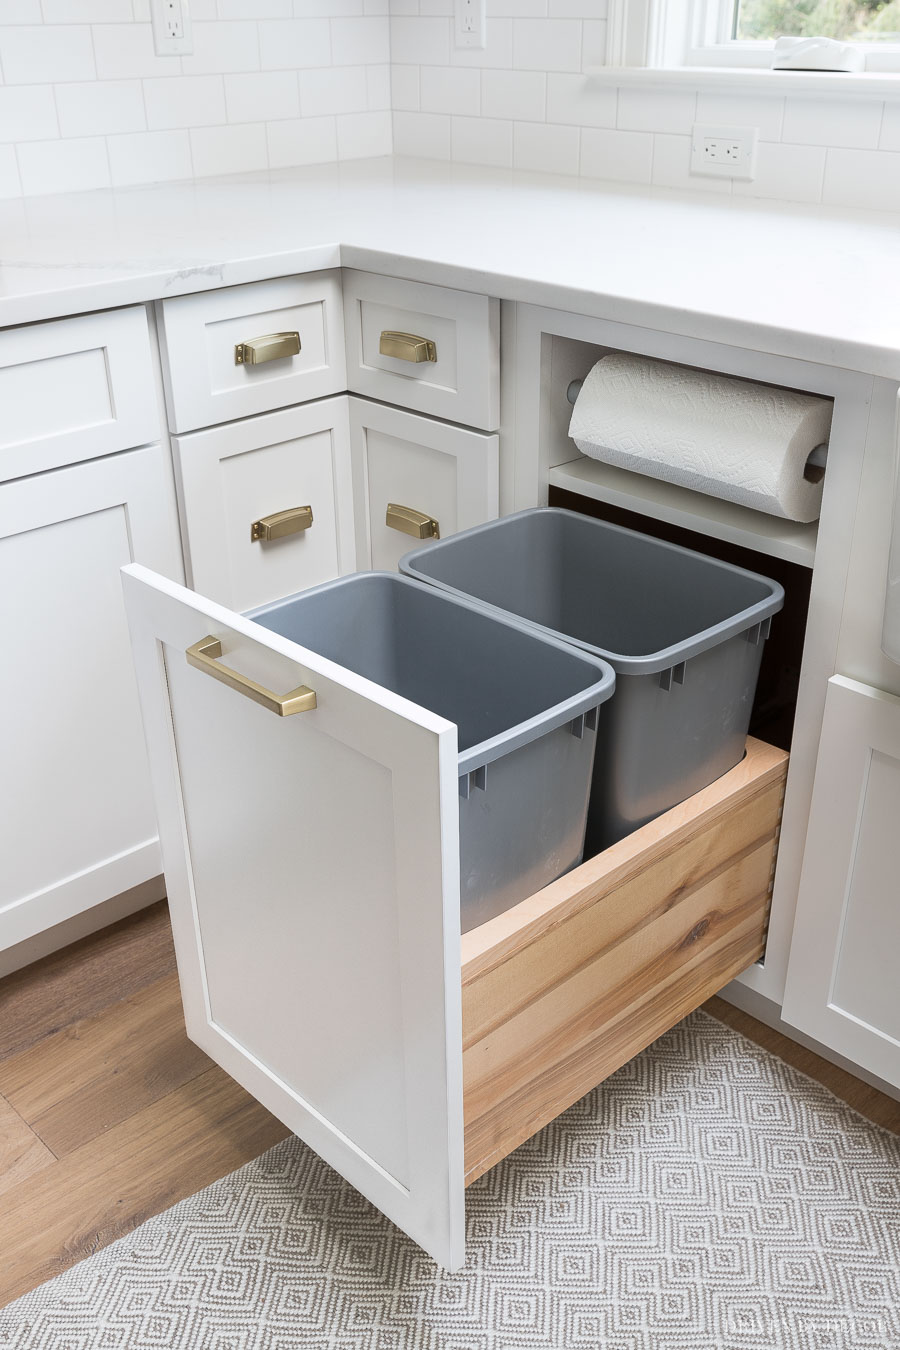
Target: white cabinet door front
{"points": [[448, 474], [312, 869], [843, 975], [234, 476], [77, 824]]}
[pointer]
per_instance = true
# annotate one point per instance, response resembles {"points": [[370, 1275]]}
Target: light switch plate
{"points": [[724, 152]]}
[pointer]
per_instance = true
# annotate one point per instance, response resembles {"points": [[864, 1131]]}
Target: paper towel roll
{"points": [[744, 442]]}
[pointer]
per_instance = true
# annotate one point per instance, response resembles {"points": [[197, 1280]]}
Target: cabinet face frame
{"points": [[216, 544], [855, 429], [476, 455], [409, 813], [861, 724], [138, 484], [124, 414], [193, 350]]}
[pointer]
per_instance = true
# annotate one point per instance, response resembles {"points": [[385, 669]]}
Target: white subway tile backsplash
{"points": [[450, 89], [262, 96], [253, 9], [420, 41], [28, 113], [517, 94], [63, 166], [340, 89], [672, 167], [405, 88], [184, 101], [793, 173], [426, 134], [218, 150], [544, 148], [10, 184], [863, 178], [481, 140], [575, 100], [623, 156], [546, 44], [125, 52], [362, 135], [378, 85], [667, 110], [21, 11], [594, 39], [578, 9], [220, 48], [306, 140], [99, 107], [84, 11], [765, 112], [847, 122], [357, 41], [32, 55], [149, 157]]}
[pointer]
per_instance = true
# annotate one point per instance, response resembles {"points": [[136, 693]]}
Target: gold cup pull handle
{"points": [[407, 347], [271, 347], [204, 654], [282, 523], [410, 521]]}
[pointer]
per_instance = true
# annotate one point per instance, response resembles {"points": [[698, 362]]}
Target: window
{"points": [[742, 33]]}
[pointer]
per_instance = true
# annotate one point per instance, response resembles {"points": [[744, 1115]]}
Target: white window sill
{"points": [[882, 83]]}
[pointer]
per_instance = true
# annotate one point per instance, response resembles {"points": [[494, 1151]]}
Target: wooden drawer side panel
{"points": [[601, 963]]}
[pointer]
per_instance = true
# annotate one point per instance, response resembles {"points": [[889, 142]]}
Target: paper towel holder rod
{"points": [[813, 470]]}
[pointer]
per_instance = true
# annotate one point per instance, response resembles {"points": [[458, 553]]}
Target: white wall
{"points": [[84, 102], [524, 103]]}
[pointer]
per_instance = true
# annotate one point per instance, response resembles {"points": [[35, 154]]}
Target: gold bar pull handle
{"points": [[410, 521], [204, 654], [272, 347], [276, 526], [407, 347]]}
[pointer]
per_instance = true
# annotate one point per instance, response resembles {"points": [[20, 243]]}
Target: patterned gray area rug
{"points": [[706, 1197]]}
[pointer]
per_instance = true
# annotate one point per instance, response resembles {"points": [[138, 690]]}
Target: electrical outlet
{"points": [[171, 27], [724, 152], [470, 23]]}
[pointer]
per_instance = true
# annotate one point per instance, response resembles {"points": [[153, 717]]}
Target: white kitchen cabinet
{"points": [[77, 824], [446, 478], [293, 464], [842, 975], [427, 348], [75, 389], [316, 913]]}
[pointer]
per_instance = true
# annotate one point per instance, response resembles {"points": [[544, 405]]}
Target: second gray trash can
{"points": [[683, 632], [525, 707]]}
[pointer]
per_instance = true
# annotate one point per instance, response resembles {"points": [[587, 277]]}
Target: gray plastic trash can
{"points": [[683, 633], [525, 705]]}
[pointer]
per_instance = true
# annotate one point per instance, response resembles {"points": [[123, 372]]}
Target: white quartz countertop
{"points": [[806, 282]]}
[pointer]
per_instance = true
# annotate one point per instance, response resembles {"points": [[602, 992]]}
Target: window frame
{"points": [[672, 34]]}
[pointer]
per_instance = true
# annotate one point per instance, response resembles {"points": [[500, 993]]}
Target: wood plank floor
{"points": [[108, 1114]]}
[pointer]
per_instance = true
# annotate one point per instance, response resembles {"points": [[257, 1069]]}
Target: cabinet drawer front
{"points": [[75, 389], [462, 384], [564, 989], [448, 475], [208, 380], [232, 477]]}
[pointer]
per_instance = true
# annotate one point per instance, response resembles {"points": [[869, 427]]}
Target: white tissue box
{"points": [[816, 53]]}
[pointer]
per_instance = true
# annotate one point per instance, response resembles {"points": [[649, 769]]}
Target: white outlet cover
{"points": [[724, 152]]}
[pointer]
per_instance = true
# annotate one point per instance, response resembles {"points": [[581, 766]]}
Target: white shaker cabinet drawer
{"points": [[425, 347], [75, 389], [442, 478], [247, 349], [266, 503]]}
